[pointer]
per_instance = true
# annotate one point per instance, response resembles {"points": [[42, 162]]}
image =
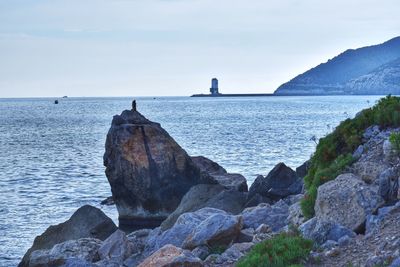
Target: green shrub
{"points": [[395, 141], [333, 152], [282, 250]]}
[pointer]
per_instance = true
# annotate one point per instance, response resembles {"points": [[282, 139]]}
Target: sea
{"points": [[51, 156]]}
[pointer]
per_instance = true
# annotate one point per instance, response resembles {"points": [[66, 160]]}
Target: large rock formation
{"points": [[229, 180], [169, 256], [148, 171], [274, 216], [207, 195], [207, 226], [347, 200], [84, 250], [86, 222], [280, 182]]}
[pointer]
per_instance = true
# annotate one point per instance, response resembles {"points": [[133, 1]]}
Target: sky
{"points": [[174, 47]]}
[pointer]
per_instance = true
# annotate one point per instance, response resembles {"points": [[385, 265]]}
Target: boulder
{"points": [[388, 149], [349, 191], [246, 235], [302, 170], [374, 222], [230, 256], [371, 132], [229, 180], [358, 152], [201, 252], [207, 226], [148, 171], [321, 231], [84, 249], [116, 247], [281, 182], [208, 166], [138, 239], [87, 221], [389, 184], [216, 230], [257, 199], [296, 216], [369, 170], [170, 256], [233, 181], [374, 157], [207, 195], [274, 216]]}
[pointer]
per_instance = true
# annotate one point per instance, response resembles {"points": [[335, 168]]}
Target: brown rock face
{"points": [[148, 171]]}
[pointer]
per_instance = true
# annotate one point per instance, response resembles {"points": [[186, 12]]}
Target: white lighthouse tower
{"points": [[214, 87]]}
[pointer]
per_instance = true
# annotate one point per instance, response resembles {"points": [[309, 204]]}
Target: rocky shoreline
{"points": [[178, 210]]}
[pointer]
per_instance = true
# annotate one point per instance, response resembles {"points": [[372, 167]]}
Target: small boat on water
{"points": [[65, 96]]}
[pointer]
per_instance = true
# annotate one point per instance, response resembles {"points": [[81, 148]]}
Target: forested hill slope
{"points": [[373, 66]]}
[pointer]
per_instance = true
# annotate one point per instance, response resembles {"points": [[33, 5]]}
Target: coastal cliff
{"points": [[340, 208], [366, 70]]}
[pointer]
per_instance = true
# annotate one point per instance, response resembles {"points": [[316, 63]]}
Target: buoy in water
{"points": [[56, 102]]}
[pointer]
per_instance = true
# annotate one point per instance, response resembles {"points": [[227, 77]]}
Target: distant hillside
{"points": [[368, 70]]}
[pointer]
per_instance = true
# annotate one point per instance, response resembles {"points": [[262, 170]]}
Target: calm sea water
{"points": [[51, 155]]}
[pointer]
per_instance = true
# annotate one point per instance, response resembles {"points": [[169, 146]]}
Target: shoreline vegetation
{"points": [[334, 151], [340, 208]]}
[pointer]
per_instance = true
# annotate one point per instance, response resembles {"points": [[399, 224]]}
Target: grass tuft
{"points": [[280, 251]]}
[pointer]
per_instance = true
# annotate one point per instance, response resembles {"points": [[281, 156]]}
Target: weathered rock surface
{"points": [[148, 171], [389, 184], [374, 222], [218, 229], [371, 161], [229, 180], [171, 256], [347, 200], [321, 231], [207, 226], [208, 166], [256, 199], [87, 221], [279, 183], [116, 248], [274, 216], [296, 216], [377, 248], [230, 256], [207, 195], [302, 170], [84, 249]]}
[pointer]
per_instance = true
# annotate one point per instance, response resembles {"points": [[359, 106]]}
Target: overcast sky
{"points": [[175, 47]]}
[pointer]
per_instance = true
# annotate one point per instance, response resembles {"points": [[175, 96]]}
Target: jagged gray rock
{"points": [[116, 248], [229, 180], [321, 231], [169, 256], [84, 249], [280, 182], [347, 200], [274, 216], [206, 195], [389, 184], [87, 221], [207, 226]]}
